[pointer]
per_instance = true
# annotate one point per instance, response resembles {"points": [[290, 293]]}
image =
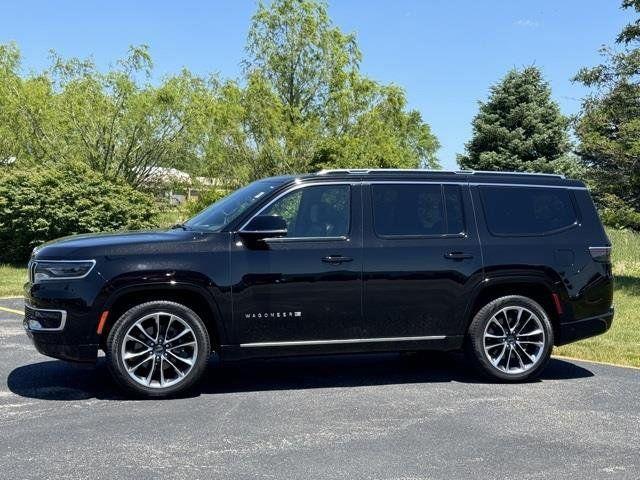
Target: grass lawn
{"points": [[620, 345], [11, 280]]}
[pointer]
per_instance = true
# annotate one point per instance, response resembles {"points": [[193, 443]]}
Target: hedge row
{"points": [[38, 204]]}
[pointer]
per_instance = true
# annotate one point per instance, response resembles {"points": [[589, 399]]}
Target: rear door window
{"points": [[527, 210], [417, 209]]}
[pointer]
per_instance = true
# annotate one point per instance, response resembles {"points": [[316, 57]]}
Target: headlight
{"points": [[61, 270]]}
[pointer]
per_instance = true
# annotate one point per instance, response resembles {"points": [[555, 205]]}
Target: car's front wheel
{"points": [[158, 348], [510, 339]]}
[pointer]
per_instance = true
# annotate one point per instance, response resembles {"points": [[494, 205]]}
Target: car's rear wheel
{"points": [[510, 339], [158, 348]]}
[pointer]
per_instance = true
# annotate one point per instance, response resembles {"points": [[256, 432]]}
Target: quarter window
{"points": [[317, 211], [527, 210], [417, 209]]}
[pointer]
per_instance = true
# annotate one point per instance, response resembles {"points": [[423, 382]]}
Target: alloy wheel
{"points": [[159, 350], [514, 340]]}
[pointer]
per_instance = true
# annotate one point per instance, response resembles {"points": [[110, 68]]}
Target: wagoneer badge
{"points": [[273, 315]]}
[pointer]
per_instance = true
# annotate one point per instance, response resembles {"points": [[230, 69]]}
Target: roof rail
{"points": [[490, 172], [364, 171]]}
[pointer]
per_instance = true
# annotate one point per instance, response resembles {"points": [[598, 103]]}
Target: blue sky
{"points": [[445, 54]]}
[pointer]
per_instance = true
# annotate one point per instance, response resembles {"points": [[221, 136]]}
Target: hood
{"points": [[88, 246]]}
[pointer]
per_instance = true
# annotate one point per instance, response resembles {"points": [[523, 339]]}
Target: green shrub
{"points": [[38, 204], [618, 214]]}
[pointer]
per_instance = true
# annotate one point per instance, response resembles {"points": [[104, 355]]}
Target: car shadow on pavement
{"points": [[58, 380]]}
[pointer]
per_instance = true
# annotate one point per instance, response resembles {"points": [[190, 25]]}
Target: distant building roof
{"points": [[169, 175]]}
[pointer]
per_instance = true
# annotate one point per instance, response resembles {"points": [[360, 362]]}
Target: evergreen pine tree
{"points": [[519, 128]]}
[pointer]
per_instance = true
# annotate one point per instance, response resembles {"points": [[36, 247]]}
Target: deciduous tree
{"points": [[117, 122], [301, 104], [608, 127], [305, 104]]}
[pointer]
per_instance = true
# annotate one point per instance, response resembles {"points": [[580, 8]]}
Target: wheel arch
{"points": [[194, 297], [539, 287]]}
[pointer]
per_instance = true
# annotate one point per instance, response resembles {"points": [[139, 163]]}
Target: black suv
{"points": [[503, 265]]}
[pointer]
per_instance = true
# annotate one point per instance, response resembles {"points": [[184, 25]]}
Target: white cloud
{"points": [[526, 23]]}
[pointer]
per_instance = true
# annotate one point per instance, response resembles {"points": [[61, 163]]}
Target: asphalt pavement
{"points": [[384, 416]]}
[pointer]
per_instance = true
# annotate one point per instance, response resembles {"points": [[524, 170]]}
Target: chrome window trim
{"points": [[63, 320], [341, 341], [304, 239], [371, 181], [443, 236], [293, 189], [263, 231], [410, 182], [35, 262]]}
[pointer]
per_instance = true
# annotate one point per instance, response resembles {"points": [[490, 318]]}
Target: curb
{"points": [[608, 364]]}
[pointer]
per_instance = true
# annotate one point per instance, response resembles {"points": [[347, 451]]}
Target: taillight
{"points": [[601, 254]]}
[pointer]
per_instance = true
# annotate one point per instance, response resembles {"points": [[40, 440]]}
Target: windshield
{"points": [[221, 213]]}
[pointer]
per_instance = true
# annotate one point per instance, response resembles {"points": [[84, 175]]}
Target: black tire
{"points": [[201, 352], [474, 344]]}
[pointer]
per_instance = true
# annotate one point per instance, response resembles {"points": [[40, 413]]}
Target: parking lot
{"points": [[374, 416]]}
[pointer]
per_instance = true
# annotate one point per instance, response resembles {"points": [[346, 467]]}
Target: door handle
{"points": [[336, 259], [457, 255]]}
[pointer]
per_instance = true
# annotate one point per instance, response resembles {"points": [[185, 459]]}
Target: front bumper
{"points": [[52, 339], [71, 353], [587, 327], [61, 318]]}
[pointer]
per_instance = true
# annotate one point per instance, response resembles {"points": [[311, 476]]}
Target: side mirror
{"points": [[265, 226]]}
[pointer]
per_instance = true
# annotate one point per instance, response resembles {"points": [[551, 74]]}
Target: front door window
{"points": [[314, 212]]}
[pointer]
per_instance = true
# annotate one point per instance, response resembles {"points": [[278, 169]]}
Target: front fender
{"points": [[209, 294], [205, 274]]}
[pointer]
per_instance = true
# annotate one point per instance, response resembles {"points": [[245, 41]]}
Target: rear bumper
{"points": [[584, 328]]}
